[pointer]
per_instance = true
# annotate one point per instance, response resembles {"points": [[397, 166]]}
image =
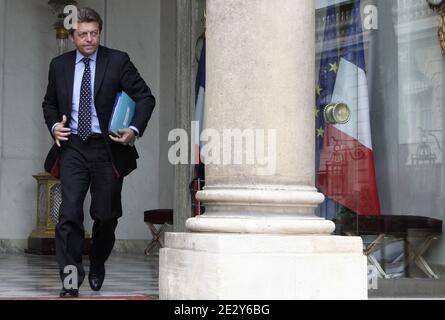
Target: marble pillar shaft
{"points": [[260, 75], [260, 81]]}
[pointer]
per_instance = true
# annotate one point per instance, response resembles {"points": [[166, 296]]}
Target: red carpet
{"points": [[85, 298]]}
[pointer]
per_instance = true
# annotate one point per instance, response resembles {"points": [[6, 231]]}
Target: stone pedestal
{"points": [[41, 241], [262, 267]]}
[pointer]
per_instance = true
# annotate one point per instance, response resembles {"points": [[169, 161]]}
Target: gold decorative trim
{"points": [[440, 9], [441, 32]]}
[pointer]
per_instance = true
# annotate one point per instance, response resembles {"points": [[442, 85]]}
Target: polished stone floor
{"points": [[32, 276]]}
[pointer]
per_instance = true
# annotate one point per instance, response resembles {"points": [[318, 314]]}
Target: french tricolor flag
{"points": [[198, 181], [346, 172]]}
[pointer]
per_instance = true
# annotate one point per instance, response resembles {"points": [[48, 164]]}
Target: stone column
{"points": [[259, 237], [260, 75]]}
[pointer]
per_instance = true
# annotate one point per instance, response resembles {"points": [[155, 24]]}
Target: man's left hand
{"points": [[126, 137]]}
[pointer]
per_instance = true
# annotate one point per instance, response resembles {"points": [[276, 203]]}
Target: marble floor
{"points": [[32, 276]]}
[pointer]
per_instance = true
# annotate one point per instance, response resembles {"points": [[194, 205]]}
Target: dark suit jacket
{"points": [[114, 73]]}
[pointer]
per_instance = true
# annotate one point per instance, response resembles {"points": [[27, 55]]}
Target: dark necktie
{"points": [[84, 116]]}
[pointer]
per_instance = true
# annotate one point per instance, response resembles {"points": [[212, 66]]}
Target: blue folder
{"points": [[123, 113]]}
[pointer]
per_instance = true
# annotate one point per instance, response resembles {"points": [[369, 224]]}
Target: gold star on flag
{"points": [[334, 67], [320, 132], [318, 90]]}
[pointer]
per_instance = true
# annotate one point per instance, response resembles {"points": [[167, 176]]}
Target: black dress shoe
{"points": [[69, 293], [96, 279]]}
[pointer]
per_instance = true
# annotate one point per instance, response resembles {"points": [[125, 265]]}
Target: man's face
{"points": [[86, 37]]}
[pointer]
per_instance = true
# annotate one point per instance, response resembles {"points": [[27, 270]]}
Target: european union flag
{"points": [[345, 162], [326, 83]]}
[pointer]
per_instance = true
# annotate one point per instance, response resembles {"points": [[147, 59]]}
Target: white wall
{"points": [[167, 97], [27, 44], [134, 26]]}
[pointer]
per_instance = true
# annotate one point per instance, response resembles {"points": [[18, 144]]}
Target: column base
{"points": [[264, 209], [199, 266], [261, 225]]}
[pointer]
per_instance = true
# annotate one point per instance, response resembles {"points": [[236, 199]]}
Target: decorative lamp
{"points": [[61, 33], [439, 7]]}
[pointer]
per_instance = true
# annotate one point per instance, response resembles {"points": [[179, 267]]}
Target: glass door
{"points": [[379, 131], [344, 145], [345, 161]]}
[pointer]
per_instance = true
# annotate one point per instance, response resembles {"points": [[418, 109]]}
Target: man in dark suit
{"points": [[82, 87]]}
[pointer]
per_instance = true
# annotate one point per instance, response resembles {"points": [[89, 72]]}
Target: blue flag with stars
{"points": [[325, 88]]}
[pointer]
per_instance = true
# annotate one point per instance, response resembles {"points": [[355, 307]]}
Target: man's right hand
{"points": [[60, 132]]}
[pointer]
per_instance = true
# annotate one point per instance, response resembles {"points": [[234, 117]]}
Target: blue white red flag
{"points": [[345, 161], [199, 169]]}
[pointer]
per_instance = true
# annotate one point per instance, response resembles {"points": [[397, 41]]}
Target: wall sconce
{"points": [[61, 33], [439, 7]]}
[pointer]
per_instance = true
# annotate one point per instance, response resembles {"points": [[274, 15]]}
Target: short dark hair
{"points": [[88, 15]]}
